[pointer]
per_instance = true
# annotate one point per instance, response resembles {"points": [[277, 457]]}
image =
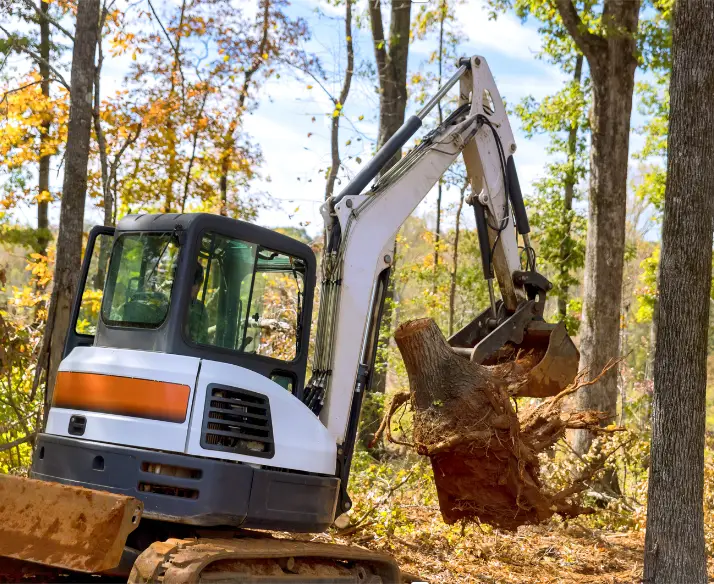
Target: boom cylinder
{"points": [[396, 142], [516, 197]]}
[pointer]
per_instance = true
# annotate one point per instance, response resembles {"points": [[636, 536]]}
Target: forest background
{"points": [[257, 110]]}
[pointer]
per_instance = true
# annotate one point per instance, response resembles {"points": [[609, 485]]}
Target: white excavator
{"points": [[183, 425]]}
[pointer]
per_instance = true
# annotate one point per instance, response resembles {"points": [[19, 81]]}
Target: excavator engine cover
{"points": [[63, 526]]}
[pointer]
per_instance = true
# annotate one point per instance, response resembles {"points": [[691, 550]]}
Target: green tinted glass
{"points": [[141, 275], [220, 292], [246, 298], [94, 286]]}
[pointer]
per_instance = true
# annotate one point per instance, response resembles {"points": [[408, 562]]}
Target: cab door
{"points": [[90, 289]]}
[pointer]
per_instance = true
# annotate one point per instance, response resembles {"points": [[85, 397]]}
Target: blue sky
{"points": [[282, 122], [296, 148]]}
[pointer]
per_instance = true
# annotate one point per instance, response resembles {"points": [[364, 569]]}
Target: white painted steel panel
{"points": [[301, 441], [126, 430]]}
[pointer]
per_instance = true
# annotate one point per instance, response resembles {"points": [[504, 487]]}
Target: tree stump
{"points": [[483, 454]]}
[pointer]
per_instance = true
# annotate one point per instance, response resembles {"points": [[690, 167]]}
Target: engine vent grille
{"points": [[237, 420], [180, 492]]}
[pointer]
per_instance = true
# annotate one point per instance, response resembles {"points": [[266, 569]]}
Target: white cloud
{"points": [[506, 35]]}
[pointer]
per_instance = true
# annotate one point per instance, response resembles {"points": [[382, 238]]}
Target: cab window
{"points": [[93, 291], [247, 298], [140, 279]]}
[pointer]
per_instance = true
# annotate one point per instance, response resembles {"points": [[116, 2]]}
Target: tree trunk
{"points": [[439, 191], [335, 129], [43, 224], [391, 56], [568, 194], [99, 132], [172, 139], [484, 454], [649, 365], [229, 139], [612, 61], [392, 72], [108, 202], [455, 260], [113, 182], [192, 158], [74, 188], [674, 544]]}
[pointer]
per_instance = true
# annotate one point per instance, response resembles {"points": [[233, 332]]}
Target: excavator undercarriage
{"points": [[58, 533], [264, 559]]}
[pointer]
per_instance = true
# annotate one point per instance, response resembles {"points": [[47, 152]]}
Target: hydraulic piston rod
{"points": [[397, 141]]}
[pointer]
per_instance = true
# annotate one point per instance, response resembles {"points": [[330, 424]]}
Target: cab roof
{"points": [[194, 223]]}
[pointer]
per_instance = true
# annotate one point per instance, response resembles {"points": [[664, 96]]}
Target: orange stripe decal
{"points": [[125, 396]]}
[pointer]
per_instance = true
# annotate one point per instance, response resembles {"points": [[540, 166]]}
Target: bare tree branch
{"points": [[175, 48], [17, 442], [11, 91], [392, 489], [229, 137], [37, 58], [48, 18], [589, 43], [117, 159], [98, 130], [187, 181], [380, 43], [166, 34], [337, 113]]}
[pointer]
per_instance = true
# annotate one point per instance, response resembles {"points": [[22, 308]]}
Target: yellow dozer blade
{"points": [[62, 526]]}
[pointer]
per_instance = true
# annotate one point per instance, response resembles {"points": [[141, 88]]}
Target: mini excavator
{"points": [[183, 424]]}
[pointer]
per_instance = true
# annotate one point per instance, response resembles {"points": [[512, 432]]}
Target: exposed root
{"points": [[398, 400], [484, 454]]}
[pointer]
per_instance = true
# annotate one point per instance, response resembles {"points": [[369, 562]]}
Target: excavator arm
{"points": [[361, 225]]}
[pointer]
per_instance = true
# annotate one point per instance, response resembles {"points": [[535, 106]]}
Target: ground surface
{"points": [[532, 555]]}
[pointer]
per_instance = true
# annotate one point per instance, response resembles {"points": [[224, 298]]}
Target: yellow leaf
{"points": [[309, 86], [360, 118], [265, 55], [225, 57]]}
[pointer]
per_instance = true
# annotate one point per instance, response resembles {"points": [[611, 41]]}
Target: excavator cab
{"points": [[182, 384], [198, 285]]}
